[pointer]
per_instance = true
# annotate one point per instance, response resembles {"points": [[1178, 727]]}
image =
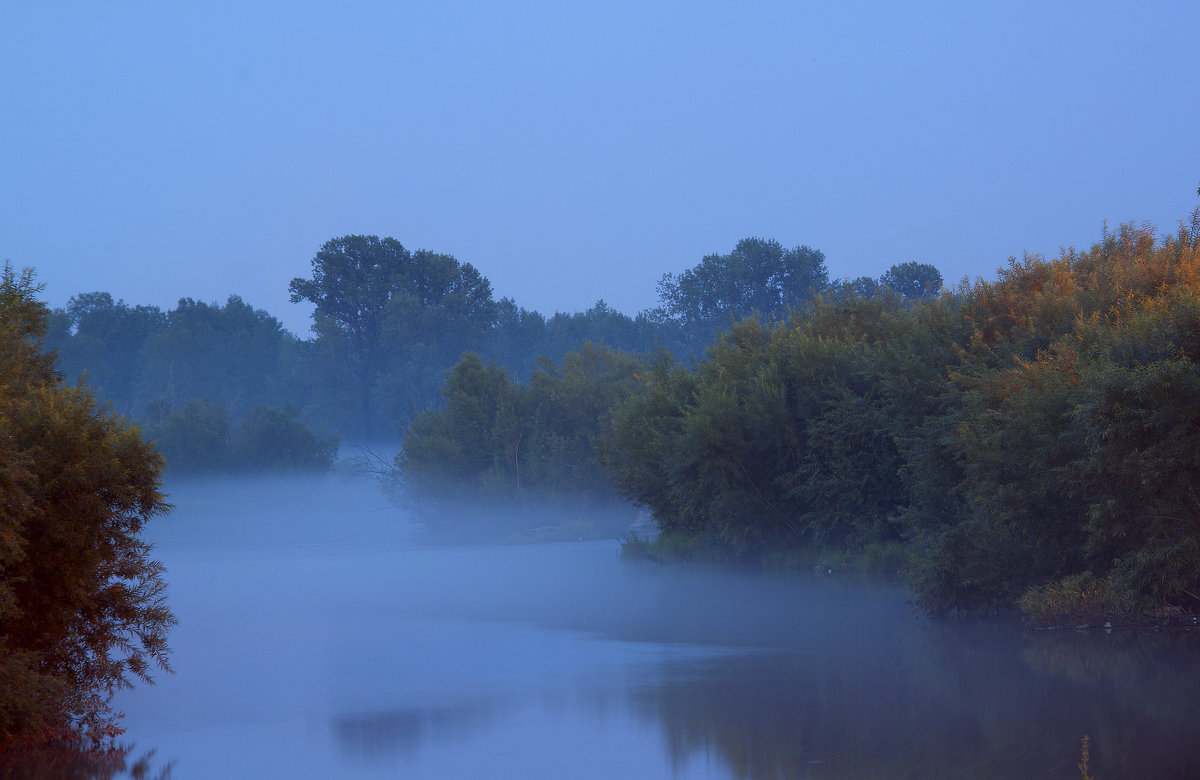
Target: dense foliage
{"points": [[197, 376], [139, 357], [201, 436], [381, 313], [786, 436], [758, 278], [1024, 438], [504, 439], [387, 325], [498, 437], [1010, 437], [81, 601]]}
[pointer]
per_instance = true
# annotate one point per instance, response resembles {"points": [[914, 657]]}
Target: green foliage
{"points": [[858, 288], [82, 611], [1002, 436], [1137, 414], [353, 278], [759, 277], [232, 354], [271, 439], [1076, 599], [1080, 456], [1011, 435], [505, 439], [387, 323], [201, 437], [786, 435], [913, 281], [672, 547], [195, 437], [1021, 519], [566, 413], [144, 362], [472, 440], [106, 342], [638, 453]]}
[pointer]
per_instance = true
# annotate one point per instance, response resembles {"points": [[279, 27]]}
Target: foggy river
{"points": [[320, 637]]}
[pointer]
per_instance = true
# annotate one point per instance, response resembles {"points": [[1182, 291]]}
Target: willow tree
{"points": [[82, 604]]}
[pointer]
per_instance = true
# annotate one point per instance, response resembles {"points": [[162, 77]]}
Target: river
{"points": [[320, 637]]}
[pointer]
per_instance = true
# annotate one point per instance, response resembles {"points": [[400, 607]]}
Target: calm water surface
{"points": [[318, 637]]}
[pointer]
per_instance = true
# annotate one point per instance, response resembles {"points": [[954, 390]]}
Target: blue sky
{"points": [[577, 151]]}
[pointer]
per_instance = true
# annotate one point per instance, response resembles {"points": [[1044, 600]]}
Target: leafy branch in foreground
{"points": [[82, 602]]}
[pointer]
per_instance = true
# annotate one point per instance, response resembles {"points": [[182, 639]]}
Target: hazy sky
{"points": [[578, 150]]}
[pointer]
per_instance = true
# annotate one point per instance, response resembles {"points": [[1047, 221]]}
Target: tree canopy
{"points": [[913, 281], [1030, 439], [381, 311], [82, 610], [758, 277]]}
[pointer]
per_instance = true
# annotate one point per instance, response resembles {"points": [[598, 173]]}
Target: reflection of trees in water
{"points": [[375, 736], [1145, 686], [47, 764], [1131, 661], [946, 701]]}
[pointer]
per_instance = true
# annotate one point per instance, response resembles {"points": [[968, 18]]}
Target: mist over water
{"points": [[322, 635]]}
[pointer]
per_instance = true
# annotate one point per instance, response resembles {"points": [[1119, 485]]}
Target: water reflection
{"points": [[123, 762], [848, 698], [935, 708], [324, 642], [944, 701], [376, 737], [962, 701], [933, 705]]}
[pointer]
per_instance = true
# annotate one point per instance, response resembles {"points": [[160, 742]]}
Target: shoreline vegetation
{"points": [[83, 609], [1021, 442], [1030, 442]]}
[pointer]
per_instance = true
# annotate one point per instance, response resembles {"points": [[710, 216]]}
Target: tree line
{"points": [[1020, 439], [500, 436], [225, 386], [1030, 440]]}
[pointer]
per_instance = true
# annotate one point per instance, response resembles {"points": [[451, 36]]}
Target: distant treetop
{"points": [[758, 277]]}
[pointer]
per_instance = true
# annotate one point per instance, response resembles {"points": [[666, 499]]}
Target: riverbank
{"points": [[1081, 601]]}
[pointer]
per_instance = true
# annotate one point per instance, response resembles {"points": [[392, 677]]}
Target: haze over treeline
{"points": [[1029, 438], [1029, 441], [388, 323]]}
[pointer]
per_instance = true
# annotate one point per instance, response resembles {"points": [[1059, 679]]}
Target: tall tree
{"points": [[82, 608], [914, 281], [386, 317], [758, 277], [353, 278]]}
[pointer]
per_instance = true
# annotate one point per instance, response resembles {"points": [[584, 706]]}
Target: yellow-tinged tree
{"points": [[82, 603]]}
